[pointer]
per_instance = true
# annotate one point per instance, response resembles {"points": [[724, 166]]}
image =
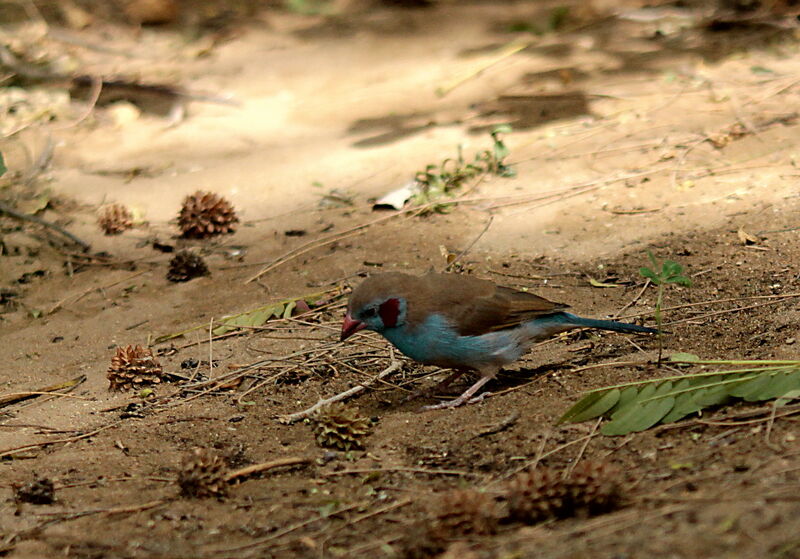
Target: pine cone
{"points": [[466, 511], [115, 219], [40, 491], [541, 494], [205, 214], [186, 265], [152, 12], [422, 541], [340, 426], [133, 367], [202, 475], [455, 514]]}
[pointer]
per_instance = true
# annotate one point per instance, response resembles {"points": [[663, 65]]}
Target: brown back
{"points": [[473, 305]]}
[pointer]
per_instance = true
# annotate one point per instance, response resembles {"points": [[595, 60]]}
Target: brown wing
{"points": [[505, 308], [478, 306]]}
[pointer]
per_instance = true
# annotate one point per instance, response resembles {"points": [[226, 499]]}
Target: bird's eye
{"points": [[370, 312]]}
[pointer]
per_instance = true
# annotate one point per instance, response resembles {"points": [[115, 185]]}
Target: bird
{"points": [[461, 322]]}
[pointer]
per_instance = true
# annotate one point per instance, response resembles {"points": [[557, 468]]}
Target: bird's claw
{"points": [[444, 405], [480, 398], [456, 402]]}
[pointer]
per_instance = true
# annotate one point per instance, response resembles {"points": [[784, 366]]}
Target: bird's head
{"points": [[378, 304]]}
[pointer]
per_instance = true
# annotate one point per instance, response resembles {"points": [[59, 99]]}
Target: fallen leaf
{"points": [[397, 198], [594, 283], [448, 256], [746, 238], [33, 206]]}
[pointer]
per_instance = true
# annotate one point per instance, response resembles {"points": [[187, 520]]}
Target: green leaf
{"points": [[786, 398], [502, 129], [643, 404], [308, 7], [590, 406], [3, 167], [680, 280], [507, 171], [649, 274], [252, 319], [670, 268], [684, 403], [713, 395], [757, 387], [501, 151], [227, 326], [629, 395], [753, 383], [783, 383], [640, 415]]}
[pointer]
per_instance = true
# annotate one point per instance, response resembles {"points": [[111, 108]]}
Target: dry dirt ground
{"points": [[645, 133]]}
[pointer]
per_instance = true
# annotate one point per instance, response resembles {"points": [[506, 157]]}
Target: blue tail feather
{"points": [[608, 324]]}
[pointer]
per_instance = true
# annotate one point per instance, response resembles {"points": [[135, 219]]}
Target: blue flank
{"points": [[437, 342]]}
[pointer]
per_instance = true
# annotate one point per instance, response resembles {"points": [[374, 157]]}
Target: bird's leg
{"points": [[439, 386], [464, 398]]}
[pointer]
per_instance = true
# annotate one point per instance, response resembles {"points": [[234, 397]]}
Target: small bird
{"points": [[461, 322]]}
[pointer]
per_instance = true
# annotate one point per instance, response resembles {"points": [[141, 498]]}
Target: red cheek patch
{"points": [[389, 311]]}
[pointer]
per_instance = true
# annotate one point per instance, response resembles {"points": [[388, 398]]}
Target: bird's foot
{"points": [[428, 392], [414, 395], [480, 398], [466, 398], [460, 401], [445, 405]]}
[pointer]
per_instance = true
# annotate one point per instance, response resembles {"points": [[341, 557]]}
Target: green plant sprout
{"points": [[671, 272], [438, 181]]}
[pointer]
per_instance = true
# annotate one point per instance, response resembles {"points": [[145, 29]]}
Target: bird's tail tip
{"points": [[613, 325]]}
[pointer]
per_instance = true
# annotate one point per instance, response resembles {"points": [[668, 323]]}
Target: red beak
{"points": [[350, 327]]}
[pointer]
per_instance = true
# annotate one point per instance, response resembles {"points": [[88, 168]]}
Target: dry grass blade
{"points": [[311, 245], [22, 448], [60, 389], [329, 239], [71, 299], [506, 51]]}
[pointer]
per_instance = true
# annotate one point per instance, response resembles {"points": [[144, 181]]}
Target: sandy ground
{"points": [[627, 136]]}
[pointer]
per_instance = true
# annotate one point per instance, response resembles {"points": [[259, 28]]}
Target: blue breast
{"points": [[436, 342]]}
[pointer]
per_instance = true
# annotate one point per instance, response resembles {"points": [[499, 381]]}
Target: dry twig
{"points": [[427, 471], [264, 466], [291, 418], [472, 244], [39, 221]]}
